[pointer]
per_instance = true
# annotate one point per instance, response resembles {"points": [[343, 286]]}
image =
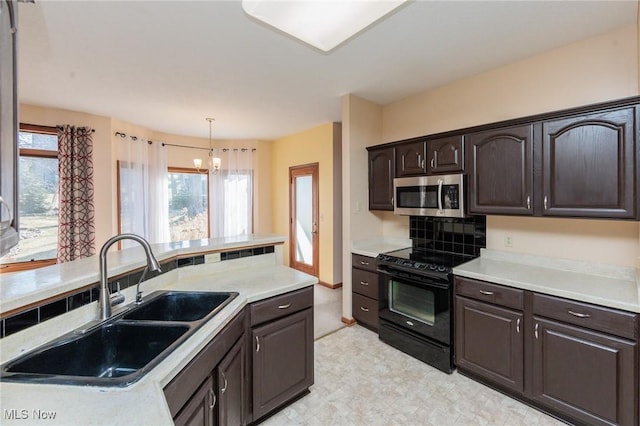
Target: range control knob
{"points": [[442, 268], [433, 267]]}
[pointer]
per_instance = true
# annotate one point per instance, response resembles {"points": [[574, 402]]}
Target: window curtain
{"points": [[231, 193], [144, 205], [76, 214]]}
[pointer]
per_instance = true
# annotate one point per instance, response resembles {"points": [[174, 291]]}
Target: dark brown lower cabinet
{"points": [[575, 360], [489, 342], [217, 386], [221, 399], [588, 375], [282, 361], [231, 385], [199, 410]]}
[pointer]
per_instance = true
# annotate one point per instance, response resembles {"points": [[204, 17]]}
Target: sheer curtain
{"points": [[231, 193], [144, 205]]}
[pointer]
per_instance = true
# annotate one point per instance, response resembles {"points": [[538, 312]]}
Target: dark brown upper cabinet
{"points": [[588, 165], [500, 166], [382, 170], [410, 159], [445, 155]]}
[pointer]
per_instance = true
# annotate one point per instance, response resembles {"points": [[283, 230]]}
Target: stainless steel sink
{"points": [[124, 348], [180, 306]]}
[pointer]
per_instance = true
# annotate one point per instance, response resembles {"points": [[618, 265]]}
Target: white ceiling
{"points": [[166, 65]]}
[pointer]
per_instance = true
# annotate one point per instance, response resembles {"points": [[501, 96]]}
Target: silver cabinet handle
{"points": [[362, 308], [364, 283], [546, 205], [528, 202], [518, 326], [224, 388], [535, 331], [364, 263], [403, 169], [486, 293], [409, 323], [578, 314], [433, 162], [284, 306], [257, 344], [213, 399], [392, 201]]}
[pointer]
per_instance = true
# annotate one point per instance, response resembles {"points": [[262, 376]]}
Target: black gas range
{"points": [[416, 303]]}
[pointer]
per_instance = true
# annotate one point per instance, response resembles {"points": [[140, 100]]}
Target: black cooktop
{"points": [[432, 260]]}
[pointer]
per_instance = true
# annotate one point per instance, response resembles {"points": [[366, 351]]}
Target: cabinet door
{"points": [[8, 128], [588, 375], [500, 169], [232, 397], [489, 342], [410, 159], [199, 410], [588, 165], [382, 170], [282, 361], [445, 155]]}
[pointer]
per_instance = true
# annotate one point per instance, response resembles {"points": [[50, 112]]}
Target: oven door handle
{"points": [[440, 194], [425, 280]]}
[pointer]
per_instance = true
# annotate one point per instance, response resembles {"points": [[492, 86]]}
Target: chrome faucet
{"points": [[105, 294]]}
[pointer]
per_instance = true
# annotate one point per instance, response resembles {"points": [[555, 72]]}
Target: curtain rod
{"points": [[58, 126], [209, 149], [134, 138]]}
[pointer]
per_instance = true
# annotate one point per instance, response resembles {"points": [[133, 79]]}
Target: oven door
{"points": [[418, 303]]}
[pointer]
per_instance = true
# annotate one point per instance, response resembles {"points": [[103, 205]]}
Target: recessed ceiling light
{"points": [[323, 24]]}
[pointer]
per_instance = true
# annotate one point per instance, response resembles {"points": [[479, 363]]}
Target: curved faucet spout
{"points": [[152, 265]]}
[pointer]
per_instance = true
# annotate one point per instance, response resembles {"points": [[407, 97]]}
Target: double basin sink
{"points": [[124, 348]]}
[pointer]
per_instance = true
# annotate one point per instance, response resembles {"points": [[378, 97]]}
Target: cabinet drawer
{"points": [[365, 310], [491, 293], [279, 306], [612, 321], [364, 262], [365, 283]]}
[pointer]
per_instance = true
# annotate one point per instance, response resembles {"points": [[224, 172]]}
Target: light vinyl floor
{"points": [[362, 381]]}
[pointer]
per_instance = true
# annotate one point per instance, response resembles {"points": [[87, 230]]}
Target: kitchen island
{"points": [[255, 278]]}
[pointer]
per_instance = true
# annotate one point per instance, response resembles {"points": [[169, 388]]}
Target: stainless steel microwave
{"points": [[439, 196]]}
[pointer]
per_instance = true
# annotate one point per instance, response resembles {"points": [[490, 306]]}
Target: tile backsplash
{"points": [[454, 235], [50, 309]]}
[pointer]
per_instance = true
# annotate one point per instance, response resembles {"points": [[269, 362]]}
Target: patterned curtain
{"points": [[76, 215]]}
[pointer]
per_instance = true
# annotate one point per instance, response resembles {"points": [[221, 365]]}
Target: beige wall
{"points": [[361, 127], [311, 146], [593, 70], [106, 154]]}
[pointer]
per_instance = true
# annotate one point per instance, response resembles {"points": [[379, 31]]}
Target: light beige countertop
{"points": [[254, 278], [373, 247], [27, 287], [605, 285]]}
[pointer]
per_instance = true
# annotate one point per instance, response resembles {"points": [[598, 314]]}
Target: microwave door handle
{"points": [[440, 194]]}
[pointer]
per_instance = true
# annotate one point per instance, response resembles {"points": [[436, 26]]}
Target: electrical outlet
{"points": [[508, 241]]}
